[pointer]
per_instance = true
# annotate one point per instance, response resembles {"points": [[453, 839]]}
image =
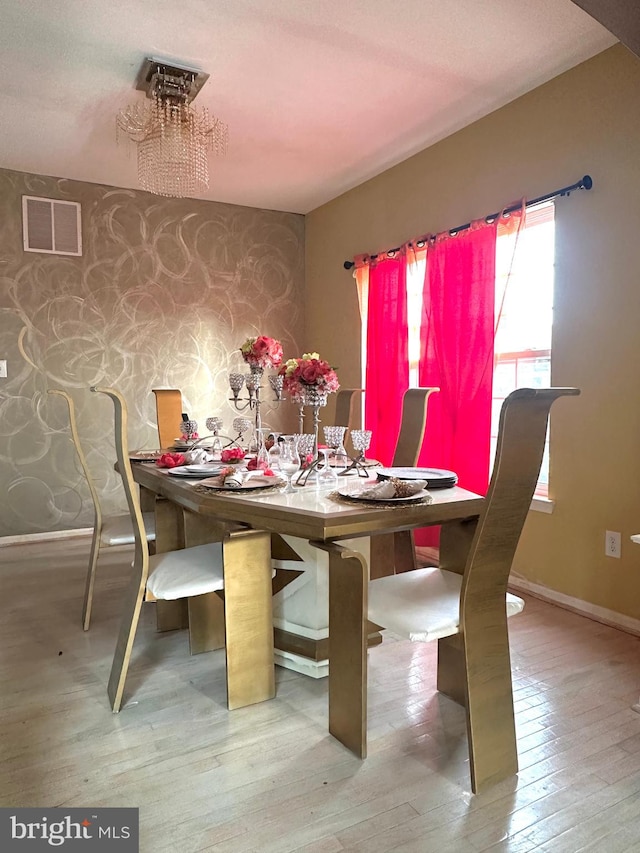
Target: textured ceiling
{"points": [[318, 95]]}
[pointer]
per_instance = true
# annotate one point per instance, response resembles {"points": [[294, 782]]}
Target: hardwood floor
{"points": [[269, 778]]}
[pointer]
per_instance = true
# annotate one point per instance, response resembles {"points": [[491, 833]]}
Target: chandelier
{"points": [[173, 139]]}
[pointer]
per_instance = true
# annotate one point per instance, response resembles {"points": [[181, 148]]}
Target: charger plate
{"points": [[250, 485], [362, 496], [437, 478], [188, 472], [344, 497], [145, 455]]}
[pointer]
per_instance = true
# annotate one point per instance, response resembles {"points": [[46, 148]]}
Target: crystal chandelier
{"points": [[173, 139]]}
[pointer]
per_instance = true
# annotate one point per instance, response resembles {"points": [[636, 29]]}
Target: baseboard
{"points": [[26, 538], [576, 605]]}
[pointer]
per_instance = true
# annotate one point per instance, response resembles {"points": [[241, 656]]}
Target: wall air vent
{"points": [[51, 226]]}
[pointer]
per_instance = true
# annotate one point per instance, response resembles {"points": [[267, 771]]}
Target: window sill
{"points": [[539, 504]]}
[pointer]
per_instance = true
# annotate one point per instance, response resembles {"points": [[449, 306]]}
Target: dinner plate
{"points": [[185, 471], [183, 448], [437, 478], [249, 485], [209, 468], [361, 496]]}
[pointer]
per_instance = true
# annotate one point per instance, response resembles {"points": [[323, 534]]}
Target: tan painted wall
{"points": [[164, 295], [585, 121]]}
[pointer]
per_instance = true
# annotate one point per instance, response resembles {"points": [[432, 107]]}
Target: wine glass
{"points": [[327, 478], [262, 460], [274, 451], [289, 460], [214, 425]]}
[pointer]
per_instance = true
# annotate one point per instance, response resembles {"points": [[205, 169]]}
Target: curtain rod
{"points": [[584, 183]]}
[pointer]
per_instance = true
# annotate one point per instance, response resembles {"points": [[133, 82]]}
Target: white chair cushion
{"points": [[118, 529], [422, 605], [191, 571]]}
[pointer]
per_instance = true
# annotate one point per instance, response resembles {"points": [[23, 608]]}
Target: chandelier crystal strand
{"points": [[173, 139]]}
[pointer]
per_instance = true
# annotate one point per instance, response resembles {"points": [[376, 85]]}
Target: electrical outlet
{"points": [[612, 543], [3, 369]]}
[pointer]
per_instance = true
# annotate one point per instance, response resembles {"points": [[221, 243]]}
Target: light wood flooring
{"points": [[269, 778]]}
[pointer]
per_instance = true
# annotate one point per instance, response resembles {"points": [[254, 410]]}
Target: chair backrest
{"points": [[129, 484], [73, 425], [168, 413], [521, 437], [344, 405], [412, 425]]}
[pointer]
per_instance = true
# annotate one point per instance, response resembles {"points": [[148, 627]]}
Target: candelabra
{"points": [[252, 382], [361, 439]]}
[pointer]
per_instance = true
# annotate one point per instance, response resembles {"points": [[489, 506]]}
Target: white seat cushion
{"points": [[118, 529], [422, 605], [191, 571]]}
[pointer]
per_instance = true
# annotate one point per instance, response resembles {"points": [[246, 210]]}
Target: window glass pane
{"points": [[524, 291]]}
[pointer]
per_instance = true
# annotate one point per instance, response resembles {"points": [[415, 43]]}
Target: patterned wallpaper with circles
{"points": [[163, 296]]}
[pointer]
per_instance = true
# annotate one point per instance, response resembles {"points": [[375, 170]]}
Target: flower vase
{"points": [[254, 381], [315, 400]]}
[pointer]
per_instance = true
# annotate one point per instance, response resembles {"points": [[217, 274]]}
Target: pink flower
{"points": [[170, 460], [232, 454], [262, 351], [310, 371]]}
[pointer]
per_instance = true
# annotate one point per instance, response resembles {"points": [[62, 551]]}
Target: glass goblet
{"points": [[188, 429], [334, 437], [289, 460], [262, 460], [306, 443], [326, 478], [240, 426], [214, 425], [274, 451], [361, 439]]}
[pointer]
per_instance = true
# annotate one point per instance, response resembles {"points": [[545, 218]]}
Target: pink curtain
{"points": [[387, 372], [457, 337]]}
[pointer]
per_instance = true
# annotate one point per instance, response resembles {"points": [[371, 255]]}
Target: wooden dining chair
{"points": [[108, 530], [467, 613], [412, 426], [168, 414], [413, 423], [190, 573], [344, 406]]}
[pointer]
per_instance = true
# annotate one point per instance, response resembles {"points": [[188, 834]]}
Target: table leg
{"points": [[248, 618], [206, 612], [348, 589]]}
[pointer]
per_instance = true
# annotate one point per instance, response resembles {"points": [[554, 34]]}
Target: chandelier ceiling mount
{"points": [[173, 138]]}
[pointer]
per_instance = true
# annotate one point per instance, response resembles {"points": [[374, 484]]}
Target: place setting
{"points": [[230, 479], [391, 492]]}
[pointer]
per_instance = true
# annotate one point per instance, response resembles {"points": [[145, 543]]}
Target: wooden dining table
{"points": [[245, 521]]}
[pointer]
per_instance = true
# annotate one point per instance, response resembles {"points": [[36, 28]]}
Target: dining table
{"points": [[328, 520]]}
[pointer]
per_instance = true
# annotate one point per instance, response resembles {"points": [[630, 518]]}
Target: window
{"points": [[523, 339]]}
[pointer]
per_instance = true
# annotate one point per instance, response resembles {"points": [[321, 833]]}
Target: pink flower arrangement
{"points": [[262, 352], [310, 371], [232, 454]]}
